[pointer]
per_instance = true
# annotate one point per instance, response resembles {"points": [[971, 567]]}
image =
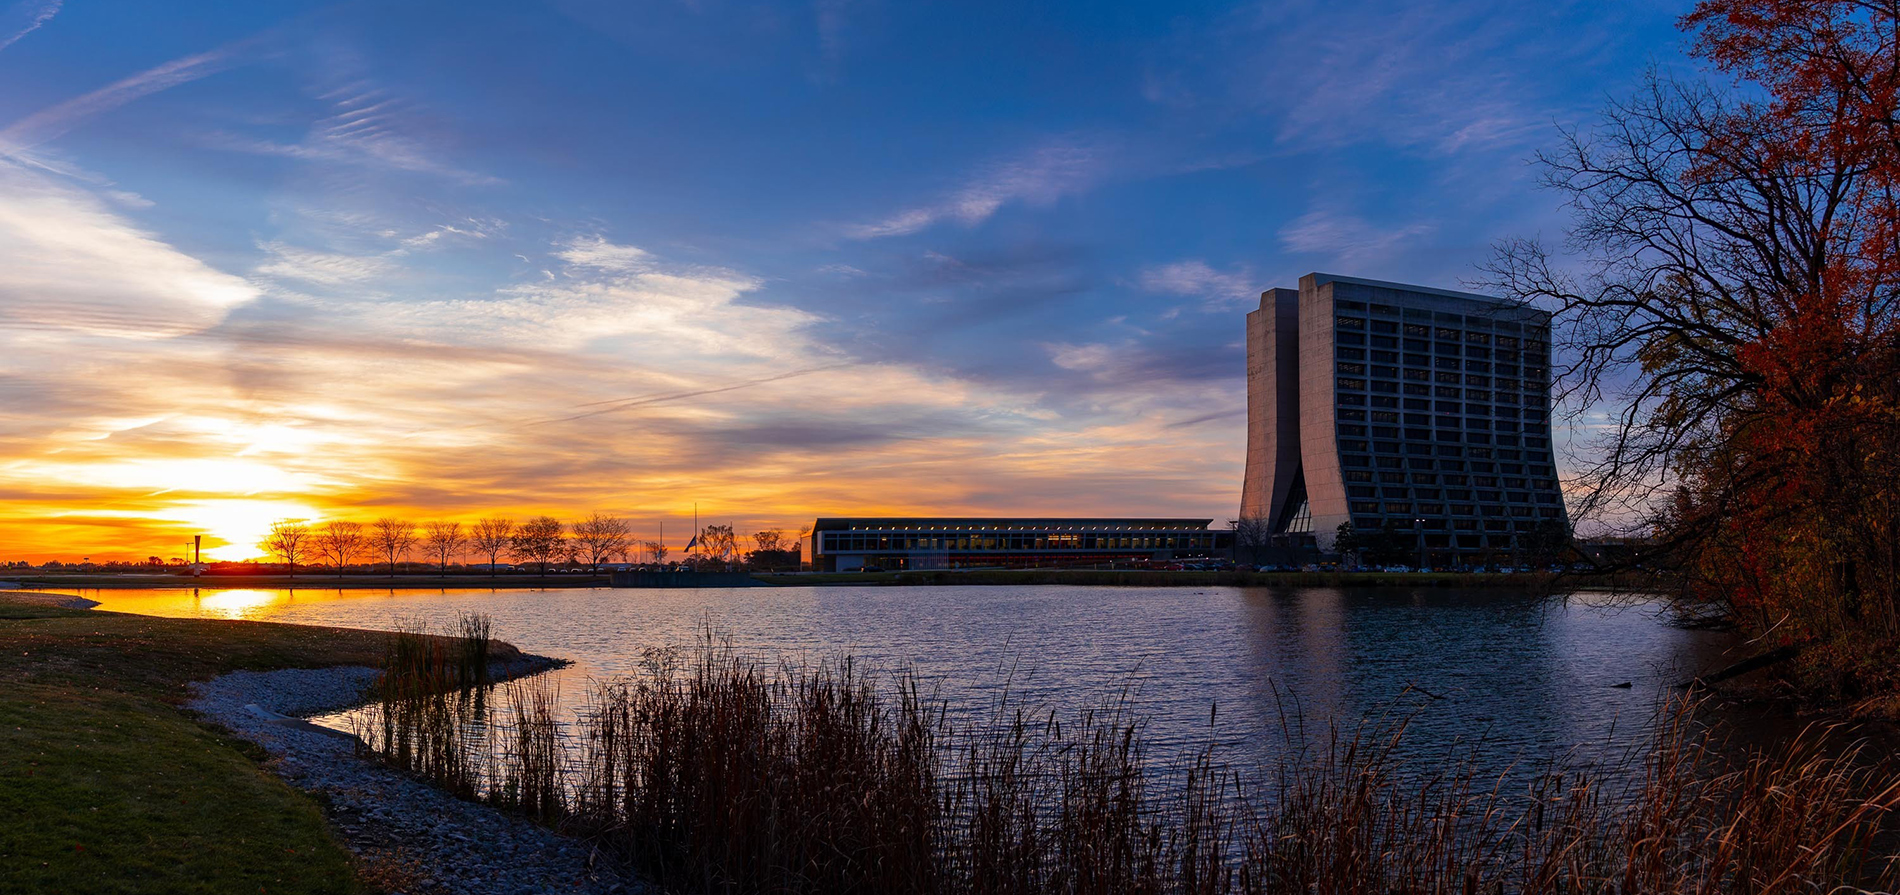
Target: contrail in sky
{"points": [[25, 18]]}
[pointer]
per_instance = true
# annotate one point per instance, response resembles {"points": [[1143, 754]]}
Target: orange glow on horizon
{"points": [[148, 404]]}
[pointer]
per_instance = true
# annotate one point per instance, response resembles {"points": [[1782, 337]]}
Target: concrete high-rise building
{"points": [[1400, 407]]}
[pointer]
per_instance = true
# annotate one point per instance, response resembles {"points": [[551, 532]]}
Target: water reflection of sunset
{"points": [[237, 603]]}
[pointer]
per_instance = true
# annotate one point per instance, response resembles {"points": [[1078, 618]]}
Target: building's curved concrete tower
{"points": [[1273, 408], [1399, 407]]}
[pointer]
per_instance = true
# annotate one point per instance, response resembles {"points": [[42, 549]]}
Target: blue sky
{"points": [[781, 259]]}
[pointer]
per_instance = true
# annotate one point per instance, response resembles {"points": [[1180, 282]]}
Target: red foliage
{"points": [[1807, 511]]}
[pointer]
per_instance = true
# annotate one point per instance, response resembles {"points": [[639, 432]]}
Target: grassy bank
{"points": [[106, 786], [108, 581], [1152, 578]]}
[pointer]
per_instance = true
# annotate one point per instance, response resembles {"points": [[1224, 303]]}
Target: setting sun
{"points": [[235, 529]]}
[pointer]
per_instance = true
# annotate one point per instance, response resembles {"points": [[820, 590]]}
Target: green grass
{"points": [[106, 786], [305, 579]]}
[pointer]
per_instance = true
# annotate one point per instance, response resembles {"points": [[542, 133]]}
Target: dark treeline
{"points": [[538, 542]]}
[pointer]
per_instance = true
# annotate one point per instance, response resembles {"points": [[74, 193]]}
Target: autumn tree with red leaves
{"points": [[1736, 302]]}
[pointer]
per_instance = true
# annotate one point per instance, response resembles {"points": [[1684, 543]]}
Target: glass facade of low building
{"points": [[845, 544]]}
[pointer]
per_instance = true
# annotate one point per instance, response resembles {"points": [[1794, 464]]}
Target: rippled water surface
{"points": [[1529, 676]]}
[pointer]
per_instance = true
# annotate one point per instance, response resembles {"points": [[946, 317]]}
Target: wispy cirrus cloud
{"points": [[367, 124], [320, 267], [360, 253], [70, 263], [1194, 278], [1448, 78], [1038, 178], [471, 228], [832, 21], [1346, 238], [367, 129], [50, 123], [25, 17]]}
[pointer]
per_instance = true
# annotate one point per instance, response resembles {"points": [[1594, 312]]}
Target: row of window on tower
{"points": [[1447, 342], [1410, 520], [850, 542], [1449, 459], [1454, 515], [1443, 326], [1421, 368]]}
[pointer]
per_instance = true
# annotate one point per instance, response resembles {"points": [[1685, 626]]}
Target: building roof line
{"points": [[824, 522], [1321, 279]]}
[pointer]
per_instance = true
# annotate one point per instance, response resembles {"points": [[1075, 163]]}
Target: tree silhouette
{"points": [[393, 538], [491, 537], [289, 540], [539, 540], [1738, 304], [339, 541], [600, 538], [444, 541]]}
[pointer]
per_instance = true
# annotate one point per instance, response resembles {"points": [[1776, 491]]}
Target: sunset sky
{"points": [[844, 257]]}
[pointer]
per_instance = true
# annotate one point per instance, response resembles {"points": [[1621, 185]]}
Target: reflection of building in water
{"points": [[842, 545], [1403, 408]]}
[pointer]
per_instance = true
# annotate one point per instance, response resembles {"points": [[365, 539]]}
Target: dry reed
{"points": [[529, 775], [428, 712], [716, 773]]}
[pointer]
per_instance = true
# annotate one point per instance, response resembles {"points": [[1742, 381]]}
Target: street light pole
{"points": [[1418, 525]]}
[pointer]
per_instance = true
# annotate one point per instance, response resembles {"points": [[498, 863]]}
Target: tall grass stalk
{"points": [[530, 772], [428, 709]]}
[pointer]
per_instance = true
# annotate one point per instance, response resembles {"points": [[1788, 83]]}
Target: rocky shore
{"points": [[409, 836]]}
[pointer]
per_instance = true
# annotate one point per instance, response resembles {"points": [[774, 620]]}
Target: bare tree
{"points": [[393, 538], [659, 552], [540, 540], [1734, 301], [772, 540], [444, 541], [599, 538], [289, 541], [491, 537], [339, 541], [718, 542], [1252, 534]]}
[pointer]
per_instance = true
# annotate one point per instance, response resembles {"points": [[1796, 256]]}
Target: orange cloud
{"points": [[151, 397]]}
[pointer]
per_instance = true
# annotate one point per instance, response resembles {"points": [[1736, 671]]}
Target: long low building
{"points": [[848, 544]]}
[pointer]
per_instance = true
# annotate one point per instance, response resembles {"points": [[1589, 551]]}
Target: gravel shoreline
{"points": [[410, 836], [36, 598]]}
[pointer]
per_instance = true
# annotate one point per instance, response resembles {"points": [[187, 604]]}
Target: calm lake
{"points": [[1525, 677]]}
